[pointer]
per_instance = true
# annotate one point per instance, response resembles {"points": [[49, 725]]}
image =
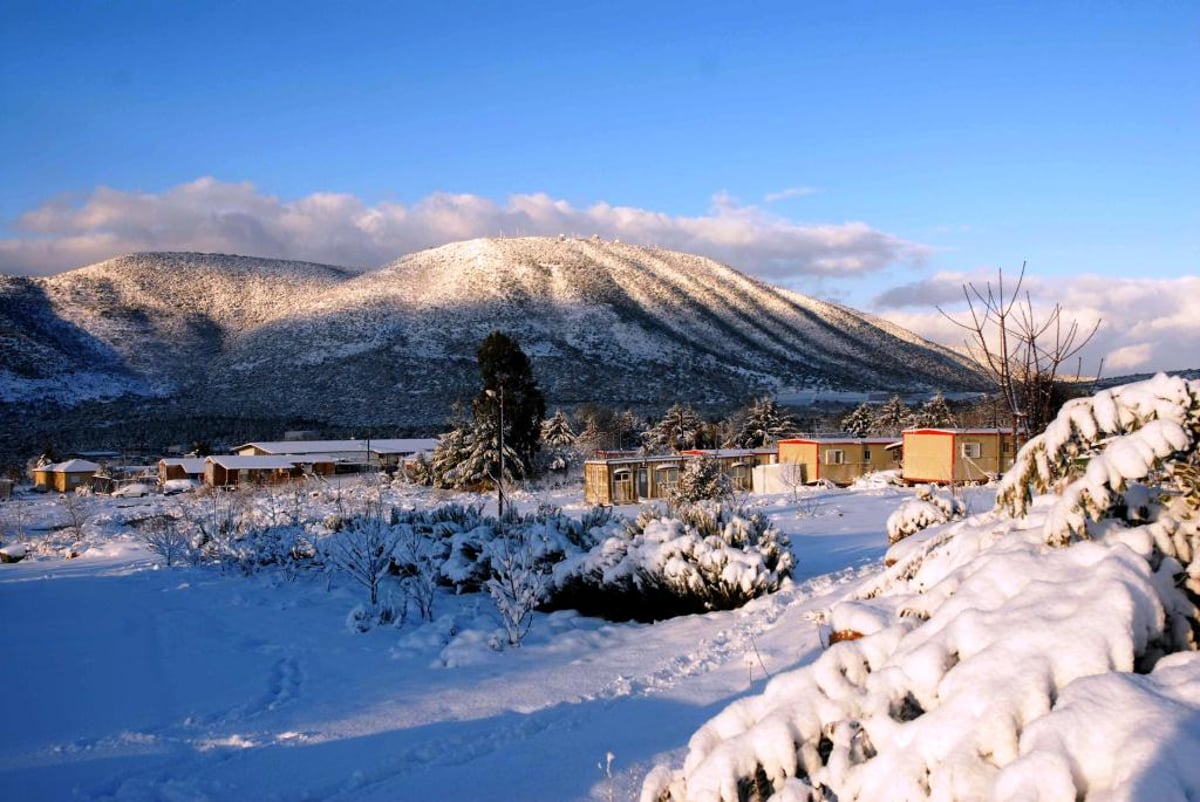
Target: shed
{"points": [[180, 468], [837, 459], [956, 455], [64, 476], [233, 471]]}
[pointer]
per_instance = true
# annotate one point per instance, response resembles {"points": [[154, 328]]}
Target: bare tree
{"points": [[1021, 351]]}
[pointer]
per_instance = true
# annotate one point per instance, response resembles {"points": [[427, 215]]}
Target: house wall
{"points": [[802, 453], [928, 457], [939, 456]]}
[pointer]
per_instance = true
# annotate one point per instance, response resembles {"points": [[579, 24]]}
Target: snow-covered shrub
{"points": [[363, 550], [1096, 447], [164, 536], [991, 667], [518, 582], [927, 508], [700, 480], [709, 557]]}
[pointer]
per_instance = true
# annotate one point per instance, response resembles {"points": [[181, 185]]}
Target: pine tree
{"points": [[556, 431], [893, 417], [510, 392], [764, 423], [860, 421], [452, 450], [935, 414], [702, 479], [678, 429], [559, 441]]}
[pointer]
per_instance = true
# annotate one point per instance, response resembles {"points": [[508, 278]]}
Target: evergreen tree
{"points": [[556, 431], [860, 421], [935, 414], [702, 479], [764, 423], [559, 441], [510, 391], [893, 417], [451, 451], [678, 429]]}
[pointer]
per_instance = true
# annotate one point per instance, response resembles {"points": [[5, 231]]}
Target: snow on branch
{"points": [[1097, 446]]}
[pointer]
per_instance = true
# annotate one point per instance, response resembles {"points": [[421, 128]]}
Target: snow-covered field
{"points": [[1041, 648], [127, 680]]}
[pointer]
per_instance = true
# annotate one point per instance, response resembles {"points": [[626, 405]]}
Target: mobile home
{"points": [[956, 455], [840, 460]]}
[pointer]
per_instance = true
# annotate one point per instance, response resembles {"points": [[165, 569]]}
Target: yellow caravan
{"points": [[840, 460], [956, 455]]}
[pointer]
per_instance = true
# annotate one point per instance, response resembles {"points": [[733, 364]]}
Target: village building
{"points": [[835, 459], [227, 470], [343, 456], [625, 477], [6, 486], [172, 468], [956, 455], [64, 477]]}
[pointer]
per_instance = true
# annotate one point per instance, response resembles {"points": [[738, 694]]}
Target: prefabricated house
{"points": [[234, 471], [170, 468], [956, 455], [343, 456], [613, 478], [64, 477], [840, 460], [622, 477]]}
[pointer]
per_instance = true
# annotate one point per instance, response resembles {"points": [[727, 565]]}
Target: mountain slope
{"points": [[602, 321]]}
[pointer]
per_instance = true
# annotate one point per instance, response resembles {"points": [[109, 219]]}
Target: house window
{"points": [[835, 456], [739, 472], [972, 450], [666, 478], [866, 454]]}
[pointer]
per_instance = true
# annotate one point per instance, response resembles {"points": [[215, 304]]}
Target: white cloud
{"points": [[212, 215], [790, 192], [1147, 324]]}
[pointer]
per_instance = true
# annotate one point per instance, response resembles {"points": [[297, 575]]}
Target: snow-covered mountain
{"points": [[602, 321]]}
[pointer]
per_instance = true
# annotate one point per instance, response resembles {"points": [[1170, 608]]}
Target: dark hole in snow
{"points": [[906, 709], [757, 788], [824, 749]]}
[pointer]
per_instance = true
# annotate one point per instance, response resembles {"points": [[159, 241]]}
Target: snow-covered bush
{"points": [[163, 536], [363, 550], [988, 664], [927, 508], [518, 582], [708, 557]]}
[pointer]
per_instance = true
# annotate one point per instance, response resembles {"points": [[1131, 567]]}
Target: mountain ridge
{"points": [[602, 321]]}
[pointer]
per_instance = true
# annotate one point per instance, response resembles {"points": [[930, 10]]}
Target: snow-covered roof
{"points": [[727, 452], [831, 439], [263, 462], [635, 458], [383, 445], [935, 430], [72, 466], [189, 464]]}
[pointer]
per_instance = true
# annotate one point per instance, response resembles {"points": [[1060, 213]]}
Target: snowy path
{"points": [[131, 683]]}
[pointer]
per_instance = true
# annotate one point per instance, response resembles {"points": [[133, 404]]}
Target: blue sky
{"points": [[888, 145]]}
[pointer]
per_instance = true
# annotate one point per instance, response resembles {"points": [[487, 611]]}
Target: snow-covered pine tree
{"points": [[892, 418], [452, 450], [764, 423], [678, 429], [700, 480], [556, 430], [558, 441], [935, 414], [860, 421]]}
